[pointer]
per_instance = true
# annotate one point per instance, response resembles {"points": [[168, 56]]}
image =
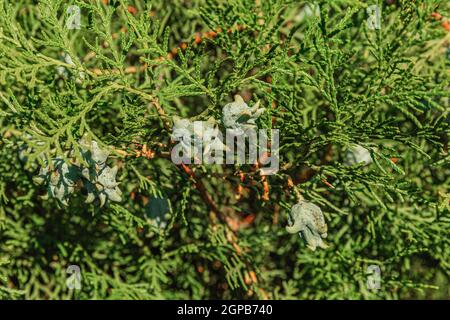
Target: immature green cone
{"points": [[307, 219]]}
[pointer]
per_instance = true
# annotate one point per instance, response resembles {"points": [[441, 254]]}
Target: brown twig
{"points": [[199, 185]]}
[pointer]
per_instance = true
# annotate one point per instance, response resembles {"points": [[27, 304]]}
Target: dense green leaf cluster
{"points": [[328, 82]]}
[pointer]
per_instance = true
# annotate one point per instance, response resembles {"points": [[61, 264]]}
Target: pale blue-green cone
{"points": [[98, 155], [102, 185], [114, 195], [60, 192], [62, 72], [107, 177], [101, 181], [90, 192], [92, 153], [60, 180], [183, 131], [210, 136], [197, 138], [238, 116], [102, 198], [357, 154], [307, 219], [158, 211]]}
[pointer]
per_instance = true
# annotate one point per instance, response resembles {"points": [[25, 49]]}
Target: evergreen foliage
{"points": [[328, 82]]}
